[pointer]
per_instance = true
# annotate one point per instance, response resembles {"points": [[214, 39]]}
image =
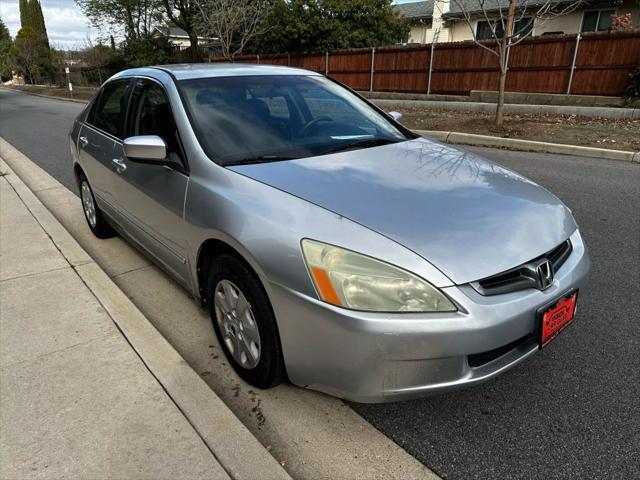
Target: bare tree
{"points": [[501, 17], [136, 18], [96, 56], [232, 22]]}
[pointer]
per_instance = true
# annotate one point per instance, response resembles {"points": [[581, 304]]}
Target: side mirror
{"points": [[397, 116], [145, 147]]}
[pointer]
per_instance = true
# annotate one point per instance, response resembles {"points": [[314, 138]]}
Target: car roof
{"points": [[187, 71]]}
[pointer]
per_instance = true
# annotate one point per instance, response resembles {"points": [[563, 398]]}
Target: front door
{"points": [[103, 128], [151, 196]]}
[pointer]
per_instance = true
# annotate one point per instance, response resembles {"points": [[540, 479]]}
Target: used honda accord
{"points": [[333, 246]]}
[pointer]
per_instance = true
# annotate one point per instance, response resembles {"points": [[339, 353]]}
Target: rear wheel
{"points": [[244, 322], [95, 219]]}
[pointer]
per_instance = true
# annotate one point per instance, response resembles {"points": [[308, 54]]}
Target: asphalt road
{"points": [[572, 411], [39, 128]]}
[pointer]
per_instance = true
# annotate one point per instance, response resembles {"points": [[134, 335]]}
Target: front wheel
{"points": [[95, 219], [244, 322]]}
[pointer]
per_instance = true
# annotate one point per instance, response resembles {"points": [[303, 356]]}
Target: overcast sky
{"points": [[67, 27]]}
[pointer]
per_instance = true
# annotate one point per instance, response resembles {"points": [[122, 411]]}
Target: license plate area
{"points": [[555, 317]]}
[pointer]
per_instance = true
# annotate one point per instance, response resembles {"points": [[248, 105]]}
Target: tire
{"points": [[229, 278], [92, 213]]}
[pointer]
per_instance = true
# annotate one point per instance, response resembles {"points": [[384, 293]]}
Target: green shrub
{"points": [[146, 50]]}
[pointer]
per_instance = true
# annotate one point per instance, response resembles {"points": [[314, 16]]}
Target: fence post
{"points": [[573, 63], [326, 63], [373, 59], [433, 45], [288, 59], [434, 40]]}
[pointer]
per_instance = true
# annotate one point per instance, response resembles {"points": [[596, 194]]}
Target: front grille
{"points": [[523, 276], [480, 359], [559, 255]]}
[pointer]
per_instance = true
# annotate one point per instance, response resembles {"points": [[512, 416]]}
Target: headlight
{"points": [[355, 281]]}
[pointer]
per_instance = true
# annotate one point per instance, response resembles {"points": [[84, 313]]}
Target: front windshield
{"points": [[247, 119]]}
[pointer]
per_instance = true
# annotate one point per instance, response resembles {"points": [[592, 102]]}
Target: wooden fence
{"points": [[588, 64]]}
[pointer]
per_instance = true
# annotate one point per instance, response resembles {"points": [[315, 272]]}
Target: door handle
{"points": [[84, 141], [119, 164]]}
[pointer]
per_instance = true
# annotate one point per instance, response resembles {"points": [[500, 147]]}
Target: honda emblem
{"points": [[545, 275]]}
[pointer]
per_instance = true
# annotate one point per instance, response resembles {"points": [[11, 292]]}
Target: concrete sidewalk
{"points": [[76, 399]]}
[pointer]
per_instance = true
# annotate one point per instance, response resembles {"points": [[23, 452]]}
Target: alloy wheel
{"points": [[237, 324], [88, 204]]}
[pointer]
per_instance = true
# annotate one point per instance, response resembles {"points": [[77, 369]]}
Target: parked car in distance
{"points": [[332, 246]]}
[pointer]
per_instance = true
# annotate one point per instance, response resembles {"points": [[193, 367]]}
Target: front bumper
{"points": [[376, 357]]}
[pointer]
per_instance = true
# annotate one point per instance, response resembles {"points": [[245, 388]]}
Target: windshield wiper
{"points": [[367, 143], [362, 143], [260, 159]]}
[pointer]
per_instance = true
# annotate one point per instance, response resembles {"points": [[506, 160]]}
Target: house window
{"points": [[483, 29], [597, 20]]}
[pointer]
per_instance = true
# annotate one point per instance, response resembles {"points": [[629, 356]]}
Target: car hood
{"points": [[467, 216]]}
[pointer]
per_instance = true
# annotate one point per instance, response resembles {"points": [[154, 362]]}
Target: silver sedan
{"points": [[333, 247]]}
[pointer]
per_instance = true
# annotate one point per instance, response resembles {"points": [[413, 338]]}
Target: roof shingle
{"points": [[415, 9], [424, 9]]}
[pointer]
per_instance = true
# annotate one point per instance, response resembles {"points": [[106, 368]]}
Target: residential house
{"points": [[445, 21], [178, 37], [420, 15]]}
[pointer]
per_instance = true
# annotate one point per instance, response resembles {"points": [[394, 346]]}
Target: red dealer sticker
{"points": [[557, 317]]}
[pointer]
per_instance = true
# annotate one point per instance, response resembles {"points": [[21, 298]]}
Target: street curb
{"points": [[234, 447], [529, 145], [511, 98], [53, 97], [512, 108]]}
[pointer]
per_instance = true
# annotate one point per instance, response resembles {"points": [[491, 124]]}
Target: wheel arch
{"points": [[77, 171], [213, 248]]}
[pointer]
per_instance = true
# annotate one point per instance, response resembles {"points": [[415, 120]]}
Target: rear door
{"points": [[103, 128], [151, 196]]}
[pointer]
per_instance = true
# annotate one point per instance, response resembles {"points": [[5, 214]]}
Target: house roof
{"points": [[175, 32], [415, 9], [418, 10], [458, 7]]}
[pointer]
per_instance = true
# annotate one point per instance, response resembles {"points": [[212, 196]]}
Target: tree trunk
{"points": [[500, 106], [505, 45], [130, 29], [193, 47]]}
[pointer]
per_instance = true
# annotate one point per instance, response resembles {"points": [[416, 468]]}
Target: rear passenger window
{"points": [[108, 112]]}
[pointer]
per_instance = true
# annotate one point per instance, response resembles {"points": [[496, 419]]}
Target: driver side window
{"points": [[151, 115]]}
